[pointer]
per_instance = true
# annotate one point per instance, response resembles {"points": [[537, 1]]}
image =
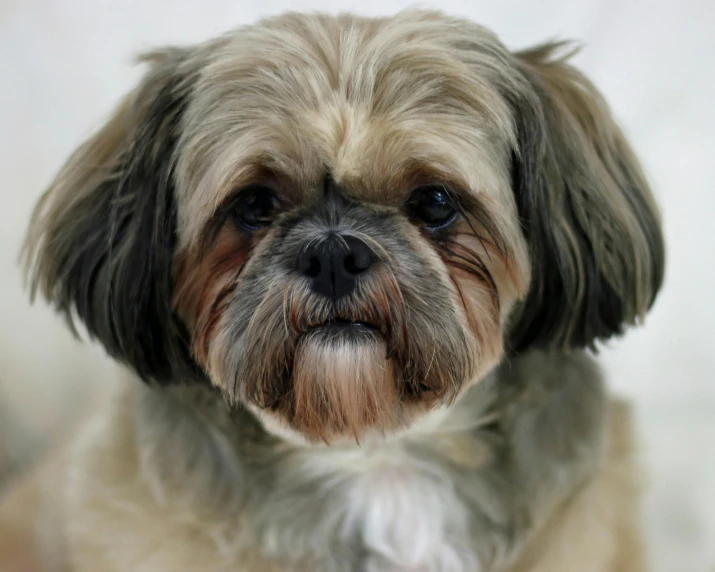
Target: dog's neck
{"points": [[428, 498]]}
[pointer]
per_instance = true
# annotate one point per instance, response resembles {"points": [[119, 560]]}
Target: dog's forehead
{"points": [[373, 102]]}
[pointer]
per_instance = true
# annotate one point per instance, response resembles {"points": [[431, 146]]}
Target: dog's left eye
{"points": [[433, 206], [254, 208]]}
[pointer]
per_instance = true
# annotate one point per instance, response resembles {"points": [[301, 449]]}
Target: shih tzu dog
{"points": [[354, 266]]}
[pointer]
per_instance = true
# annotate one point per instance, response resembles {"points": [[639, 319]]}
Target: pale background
{"points": [[63, 64]]}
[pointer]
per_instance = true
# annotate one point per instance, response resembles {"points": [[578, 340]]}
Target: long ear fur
{"points": [[589, 217], [101, 242]]}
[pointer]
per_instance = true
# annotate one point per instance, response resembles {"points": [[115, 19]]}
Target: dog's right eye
{"points": [[254, 207]]}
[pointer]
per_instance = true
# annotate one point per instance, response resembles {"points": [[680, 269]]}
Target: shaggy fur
{"points": [[454, 425]]}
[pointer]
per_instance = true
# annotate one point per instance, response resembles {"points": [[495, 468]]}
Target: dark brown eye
{"points": [[433, 206], [255, 207]]}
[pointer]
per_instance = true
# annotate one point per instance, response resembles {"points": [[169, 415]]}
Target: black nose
{"points": [[334, 264]]}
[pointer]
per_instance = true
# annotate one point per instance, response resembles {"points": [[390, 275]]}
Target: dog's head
{"points": [[343, 222]]}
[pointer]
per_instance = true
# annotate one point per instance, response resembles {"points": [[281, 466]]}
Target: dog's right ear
{"points": [[101, 242]]}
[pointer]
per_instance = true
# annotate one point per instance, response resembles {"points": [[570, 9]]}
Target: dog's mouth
{"points": [[341, 324], [351, 329]]}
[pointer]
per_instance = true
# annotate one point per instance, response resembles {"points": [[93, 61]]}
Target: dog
{"points": [[354, 268]]}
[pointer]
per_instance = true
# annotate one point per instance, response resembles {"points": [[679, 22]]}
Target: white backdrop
{"points": [[63, 64]]}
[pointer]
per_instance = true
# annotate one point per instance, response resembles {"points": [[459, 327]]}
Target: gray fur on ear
{"points": [[101, 243], [589, 217]]}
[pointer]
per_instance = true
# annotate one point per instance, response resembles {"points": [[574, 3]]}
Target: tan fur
{"points": [[18, 510], [31, 517], [369, 138], [595, 531], [599, 529]]}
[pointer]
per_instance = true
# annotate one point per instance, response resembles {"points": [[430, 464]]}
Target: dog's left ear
{"points": [[588, 215]]}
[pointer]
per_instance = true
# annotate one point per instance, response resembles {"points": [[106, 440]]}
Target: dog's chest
{"points": [[402, 512]]}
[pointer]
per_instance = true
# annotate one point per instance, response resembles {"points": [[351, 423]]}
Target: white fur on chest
{"points": [[402, 509]]}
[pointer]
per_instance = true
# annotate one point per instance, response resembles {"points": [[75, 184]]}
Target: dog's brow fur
{"points": [[445, 438]]}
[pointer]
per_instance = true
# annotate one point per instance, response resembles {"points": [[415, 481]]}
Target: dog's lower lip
{"points": [[340, 324], [344, 331]]}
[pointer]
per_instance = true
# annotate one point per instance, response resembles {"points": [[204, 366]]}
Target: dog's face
{"points": [[344, 222]]}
